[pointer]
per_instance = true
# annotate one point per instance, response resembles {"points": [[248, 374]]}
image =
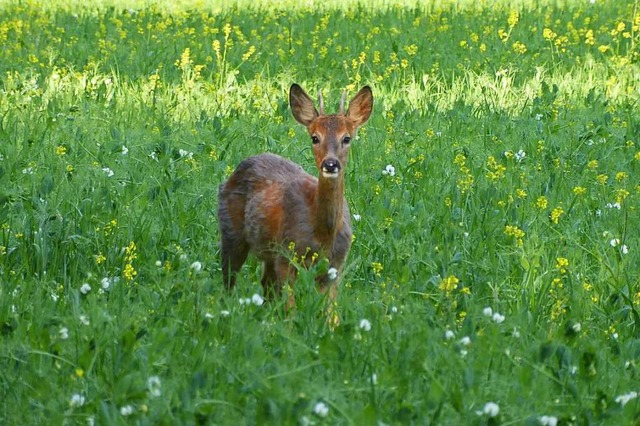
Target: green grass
{"points": [[516, 153]]}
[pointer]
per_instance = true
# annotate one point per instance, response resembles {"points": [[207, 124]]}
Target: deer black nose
{"points": [[331, 166]]}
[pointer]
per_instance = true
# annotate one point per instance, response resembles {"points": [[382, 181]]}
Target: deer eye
{"points": [[315, 140], [346, 140]]}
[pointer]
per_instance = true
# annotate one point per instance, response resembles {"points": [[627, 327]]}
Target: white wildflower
{"points": [[519, 156], [465, 341], [321, 409], [332, 273], [105, 283], [498, 318], [490, 409], [126, 410], [365, 324], [487, 311], [154, 384], [64, 333], [183, 153], [125, 150], [449, 335], [84, 320], [548, 420], [77, 400], [389, 170], [257, 300], [624, 399], [374, 379], [85, 288], [357, 217], [196, 266], [108, 171]]}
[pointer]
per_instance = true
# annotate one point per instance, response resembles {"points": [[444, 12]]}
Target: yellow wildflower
{"points": [[579, 190], [562, 263], [496, 170], [515, 232], [519, 47], [513, 19], [555, 214], [449, 283], [589, 38], [548, 34], [602, 178], [129, 272], [377, 268], [621, 194], [130, 252], [542, 202]]}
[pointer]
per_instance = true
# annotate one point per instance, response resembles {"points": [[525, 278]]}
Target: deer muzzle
{"points": [[330, 167]]}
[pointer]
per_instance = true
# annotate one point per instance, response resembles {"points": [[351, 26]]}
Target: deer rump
{"points": [[270, 202]]}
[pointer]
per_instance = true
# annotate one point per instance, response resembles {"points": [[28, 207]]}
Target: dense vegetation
{"points": [[494, 272]]}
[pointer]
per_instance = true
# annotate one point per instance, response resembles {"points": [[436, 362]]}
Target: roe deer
{"points": [[269, 204]]}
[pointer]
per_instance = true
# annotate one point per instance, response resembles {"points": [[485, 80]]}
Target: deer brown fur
{"points": [[270, 204]]}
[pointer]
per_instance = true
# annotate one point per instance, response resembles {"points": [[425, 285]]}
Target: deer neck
{"points": [[329, 204]]}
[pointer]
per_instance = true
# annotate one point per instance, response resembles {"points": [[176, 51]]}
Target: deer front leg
{"points": [[285, 277], [269, 279], [328, 285]]}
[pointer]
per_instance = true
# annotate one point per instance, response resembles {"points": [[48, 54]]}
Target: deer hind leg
{"points": [[234, 253], [234, 248]]}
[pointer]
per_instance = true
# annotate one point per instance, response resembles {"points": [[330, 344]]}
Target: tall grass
{"points": [[493, 278]]}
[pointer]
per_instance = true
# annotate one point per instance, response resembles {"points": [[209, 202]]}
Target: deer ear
{"points": [[302, 106], [361, 106]]}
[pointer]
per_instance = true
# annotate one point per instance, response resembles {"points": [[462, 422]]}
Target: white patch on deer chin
{"points": [[330, 175]]}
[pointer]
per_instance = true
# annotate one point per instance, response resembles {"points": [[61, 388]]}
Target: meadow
{"points": [[494, 276]]}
